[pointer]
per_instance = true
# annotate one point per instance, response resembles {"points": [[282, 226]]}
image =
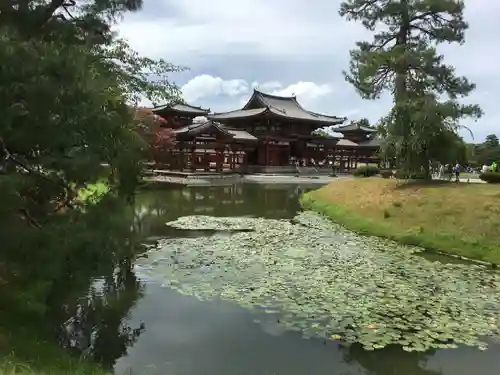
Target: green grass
{"points": [[22, 353], [461, 219]]}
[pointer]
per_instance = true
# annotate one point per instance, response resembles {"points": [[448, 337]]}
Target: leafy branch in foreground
{"points": [[71, 85], [67, 84], [402, 59]]}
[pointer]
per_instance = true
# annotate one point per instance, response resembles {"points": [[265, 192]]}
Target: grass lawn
{"points": [[23, 354], [462, 219]]}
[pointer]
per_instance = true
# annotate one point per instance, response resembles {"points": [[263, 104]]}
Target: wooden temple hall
{"points": [[269, 134]]}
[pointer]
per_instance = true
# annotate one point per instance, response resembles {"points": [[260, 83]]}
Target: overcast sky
{"points": [[296, 47]]}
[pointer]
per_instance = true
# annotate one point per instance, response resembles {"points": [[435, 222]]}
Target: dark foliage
{"points": [[366, 171], [65, 98], [386, 174], [405, 175], [490, 177]]}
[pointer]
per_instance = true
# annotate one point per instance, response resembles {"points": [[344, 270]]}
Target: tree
{"points": [[66, 110], [489, 151], [321, 133], [402, 58], [491, 142], [364, 122], [67, 83], [153, 130]]}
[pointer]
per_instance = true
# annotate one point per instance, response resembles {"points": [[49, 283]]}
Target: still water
{"points": [[149, 329]]}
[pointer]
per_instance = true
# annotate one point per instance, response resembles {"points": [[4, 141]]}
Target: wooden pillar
{"points": [[181, 156], [219, 157], [232, 156], [194, 161]]}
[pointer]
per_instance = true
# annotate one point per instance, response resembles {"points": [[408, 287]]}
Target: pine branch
{"points": [[8, 156]]}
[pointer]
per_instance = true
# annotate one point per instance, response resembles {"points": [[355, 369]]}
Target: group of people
{"points": [[446, 172], [494, 167]]}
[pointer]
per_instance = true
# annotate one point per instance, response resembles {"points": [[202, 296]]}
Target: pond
{"points": [[148, 327]]}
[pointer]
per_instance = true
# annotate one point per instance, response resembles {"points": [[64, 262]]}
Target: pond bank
{"points": [[233, 179], [459, 219], [26, 353]]}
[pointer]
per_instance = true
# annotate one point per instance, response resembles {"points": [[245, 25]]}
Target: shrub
{"points": [[405, 175], [386, 174], [417, 176], [366, 171], [401, 175], [490, 177]]}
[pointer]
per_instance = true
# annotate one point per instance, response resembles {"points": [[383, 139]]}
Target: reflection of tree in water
{"points": [[392, 360], [270, 201], [96, 327], [97, 298]]}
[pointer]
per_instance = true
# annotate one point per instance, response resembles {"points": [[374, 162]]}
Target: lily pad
{"points": [[328, 282]]}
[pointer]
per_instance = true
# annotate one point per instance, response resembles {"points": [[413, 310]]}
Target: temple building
{"points": [[179, 115], [269, 134], [364, 145]]}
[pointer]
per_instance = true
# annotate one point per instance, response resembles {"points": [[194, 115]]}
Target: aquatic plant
{"points": [[325, 281]]}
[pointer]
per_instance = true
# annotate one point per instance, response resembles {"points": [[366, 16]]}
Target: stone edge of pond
{"points": [[360, 225]]}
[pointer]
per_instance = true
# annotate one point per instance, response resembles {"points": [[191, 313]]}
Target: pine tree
{"points": [[402, 59]]}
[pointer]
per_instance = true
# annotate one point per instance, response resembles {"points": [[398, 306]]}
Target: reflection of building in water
{"points": [[271, 201]]}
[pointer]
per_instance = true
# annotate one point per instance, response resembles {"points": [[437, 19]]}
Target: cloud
{"points": [[306, 91], [278, 27], [206, 86], [293, 46]]}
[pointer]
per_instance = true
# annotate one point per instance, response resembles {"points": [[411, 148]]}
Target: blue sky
{"points": [[296, 47]]}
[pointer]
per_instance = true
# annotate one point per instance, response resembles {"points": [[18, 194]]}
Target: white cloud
{"points": [[305, 91], [278, 27], [206, 86], [310, 41]]}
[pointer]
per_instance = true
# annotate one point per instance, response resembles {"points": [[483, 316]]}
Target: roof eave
{"points": [[215, 117], [170, 107], [311, 121]]}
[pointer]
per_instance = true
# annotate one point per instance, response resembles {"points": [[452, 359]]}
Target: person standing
{"points": [[457, 172], [441, 172]]}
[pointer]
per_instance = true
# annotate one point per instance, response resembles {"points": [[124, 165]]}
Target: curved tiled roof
{"points": [[183, 108], [199, 128], [281, 106], [354, 127], [346, 142], [239, 113], [374, 142]]}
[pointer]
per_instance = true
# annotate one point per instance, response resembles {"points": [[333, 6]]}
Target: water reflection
{"points": [[184, 336], [391, 361], [154, 208], [96, 325]]}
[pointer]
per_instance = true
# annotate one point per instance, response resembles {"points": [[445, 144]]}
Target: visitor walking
{"points": [[457, 172], [441, 172], [449, 171]]}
